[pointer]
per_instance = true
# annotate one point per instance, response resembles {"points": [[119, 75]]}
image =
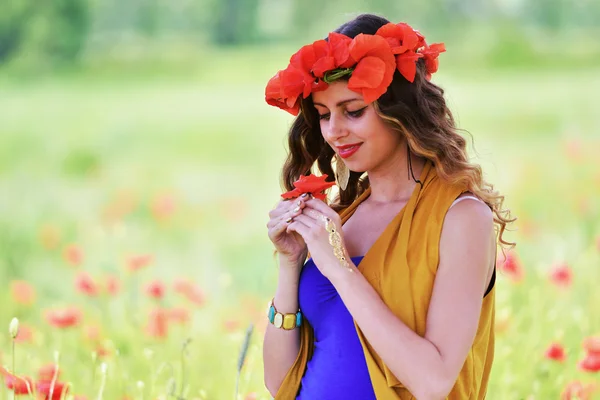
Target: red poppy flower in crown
{"points": [[368, 60]]}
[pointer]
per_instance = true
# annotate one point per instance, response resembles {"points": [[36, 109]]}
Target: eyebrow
{"points": [[341, 103]]}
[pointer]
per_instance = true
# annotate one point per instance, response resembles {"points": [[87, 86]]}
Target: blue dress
{"points": [[338, 369]]}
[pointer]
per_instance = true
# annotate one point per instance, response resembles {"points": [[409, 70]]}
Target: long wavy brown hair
{"points": [[418, 113]]}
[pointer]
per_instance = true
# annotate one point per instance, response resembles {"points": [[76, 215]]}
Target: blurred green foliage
{"points": [[66, 30]]}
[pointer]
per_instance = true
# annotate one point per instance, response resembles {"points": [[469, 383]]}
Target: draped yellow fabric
{"points": [[401, 266]]}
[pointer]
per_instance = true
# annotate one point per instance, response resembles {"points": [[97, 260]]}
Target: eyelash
{"points": [[353, 114]]}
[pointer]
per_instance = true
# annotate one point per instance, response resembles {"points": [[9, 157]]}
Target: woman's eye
{"points": [[323, 116], [357, 113]]}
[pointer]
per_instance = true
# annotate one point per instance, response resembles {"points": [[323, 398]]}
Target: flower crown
{"points": [[369, 60]]}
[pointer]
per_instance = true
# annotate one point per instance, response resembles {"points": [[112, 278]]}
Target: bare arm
{"points": [[280, 346]]}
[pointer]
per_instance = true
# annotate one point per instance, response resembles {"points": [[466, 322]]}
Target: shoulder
{"points": [[468, 228], [467, 209]]}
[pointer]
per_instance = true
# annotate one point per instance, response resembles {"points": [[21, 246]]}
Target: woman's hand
{"points": [[310, 224], [288, 244]]}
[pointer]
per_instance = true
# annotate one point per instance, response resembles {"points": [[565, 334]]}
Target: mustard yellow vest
{"points": [[401, 266]]}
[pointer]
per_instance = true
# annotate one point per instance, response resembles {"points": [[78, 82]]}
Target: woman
{"points": [[397, 298]]}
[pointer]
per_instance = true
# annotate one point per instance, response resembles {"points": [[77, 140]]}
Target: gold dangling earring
{"points": [[342, 173]]}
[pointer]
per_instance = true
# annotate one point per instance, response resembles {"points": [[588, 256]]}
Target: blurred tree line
{"points": [[62, 29]]}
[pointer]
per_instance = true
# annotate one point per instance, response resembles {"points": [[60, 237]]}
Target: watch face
{"points": [[278, 320]]}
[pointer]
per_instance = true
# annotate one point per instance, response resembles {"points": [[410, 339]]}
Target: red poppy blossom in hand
{"points": [[562, 276], [64, 317], [556, 352], [312, 184]]}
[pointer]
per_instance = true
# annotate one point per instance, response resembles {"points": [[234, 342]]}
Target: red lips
{"points": [[347, 150]]}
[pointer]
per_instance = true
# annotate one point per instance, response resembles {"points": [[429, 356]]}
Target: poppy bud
{"points": [[13, 328]]}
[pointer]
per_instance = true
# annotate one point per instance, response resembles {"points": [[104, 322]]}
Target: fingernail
{"points": [[288, 220], [296, 209], [304, 194], [299, 202]]}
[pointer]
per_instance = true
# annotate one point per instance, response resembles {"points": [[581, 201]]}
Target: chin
{"points": [[355, 166]]}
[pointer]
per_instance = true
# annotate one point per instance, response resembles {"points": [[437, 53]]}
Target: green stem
{"points": [[331, 76]]}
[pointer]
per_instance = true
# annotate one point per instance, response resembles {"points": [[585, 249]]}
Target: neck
{"points": [[393, 182]]}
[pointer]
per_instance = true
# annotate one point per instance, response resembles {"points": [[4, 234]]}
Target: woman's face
{"points": [[345, 119]]}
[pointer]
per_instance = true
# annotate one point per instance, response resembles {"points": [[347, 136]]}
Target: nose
{"points": [[335, 128]]}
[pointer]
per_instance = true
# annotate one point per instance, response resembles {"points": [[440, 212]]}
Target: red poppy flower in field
{"points": [[47, 372], [64, 317], [556, 352], [562, 275], [155, 289], [591, 362], [73, 255], [85, 284], [51, 391], [112, 285], [592, 344], [17, 384], [231, 325], [190, 290], [163, 207], [92, 332], [22, 292], [312, 184], [576, 390], [511, 267], [102, 351], [158, 323], [179, 315], [25, 334], [138, 262]]}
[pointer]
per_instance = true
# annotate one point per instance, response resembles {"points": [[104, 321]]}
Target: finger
{"points": [[312, 213], [300, 228], [285, 206], [306, 220], [277, 227], [286, 217], [321, 207]]}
